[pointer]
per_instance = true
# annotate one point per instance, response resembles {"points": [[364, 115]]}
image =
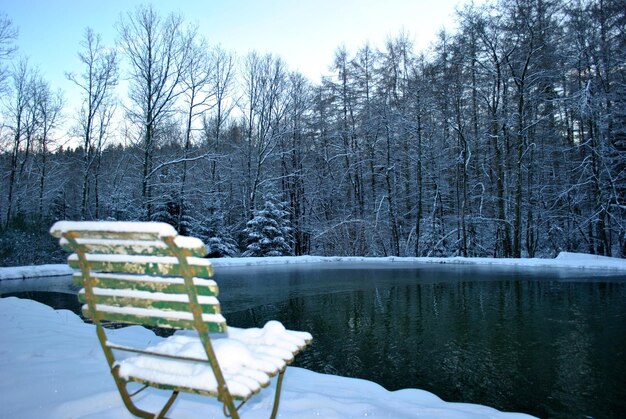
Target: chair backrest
{"points": [[142, 273]]}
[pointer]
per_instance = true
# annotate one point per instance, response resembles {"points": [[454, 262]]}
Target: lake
{"points": [[548, 342]]}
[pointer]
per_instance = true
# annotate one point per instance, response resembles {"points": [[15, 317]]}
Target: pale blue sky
{"points": [[304, 33]]}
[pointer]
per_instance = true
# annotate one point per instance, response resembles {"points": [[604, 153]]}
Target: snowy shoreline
{"points": [[23, 272], [563, 260]]}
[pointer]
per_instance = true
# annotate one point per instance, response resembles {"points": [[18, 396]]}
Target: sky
{"points": [[304, 33]]}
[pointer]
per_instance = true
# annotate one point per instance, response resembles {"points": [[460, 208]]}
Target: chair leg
{"points": [[126, 398], [235, 414], [119, 381], [167, 406], [279, 385], [132, 407]]}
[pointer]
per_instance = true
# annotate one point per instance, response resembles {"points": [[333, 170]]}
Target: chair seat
{"points": [[248, 359]]}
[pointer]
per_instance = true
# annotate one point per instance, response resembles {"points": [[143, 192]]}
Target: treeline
{"points": [[507, 138]]}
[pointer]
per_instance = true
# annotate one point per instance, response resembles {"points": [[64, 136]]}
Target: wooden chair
{"points": [[144, 273]]}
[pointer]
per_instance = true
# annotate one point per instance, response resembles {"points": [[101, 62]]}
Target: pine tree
{"points": [[268, 232], [212, 230], [58, 209], [166, 211], [221, 246]]}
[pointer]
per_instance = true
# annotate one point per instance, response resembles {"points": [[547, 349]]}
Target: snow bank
{"points": [[21, 272], [563, 260], [51, 365]]}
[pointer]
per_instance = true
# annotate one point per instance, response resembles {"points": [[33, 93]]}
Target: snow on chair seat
{"points": [[144, 273], [246, 361]]}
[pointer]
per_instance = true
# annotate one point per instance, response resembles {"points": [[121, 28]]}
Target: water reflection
{"points": [[518, 342], [55, 299]]}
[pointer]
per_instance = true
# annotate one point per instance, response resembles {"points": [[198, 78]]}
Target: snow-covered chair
{"points": [[144, 273]]}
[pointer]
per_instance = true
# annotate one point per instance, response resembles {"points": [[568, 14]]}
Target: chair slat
{"points": [[144, 265], [154, 317], [116, 235], [143, 299], [121, 247], [113, 230], [195, 247], [173, 285]]}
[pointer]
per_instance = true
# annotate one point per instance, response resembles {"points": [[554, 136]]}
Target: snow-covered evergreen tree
{"points": [[166, 211], [268, 232], [212, 230], [221, 246]]}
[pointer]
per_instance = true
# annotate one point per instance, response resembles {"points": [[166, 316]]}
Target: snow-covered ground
{"points": [[21, 272], [51, 366], [563, 260]]}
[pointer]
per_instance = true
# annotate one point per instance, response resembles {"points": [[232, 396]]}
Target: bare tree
{"points": [[264, 106], [158, 53], [222, 84], [293, 154], [104, 118], [96, 83], [49, 106], [8, 35], [17, 110], [197, 99]]}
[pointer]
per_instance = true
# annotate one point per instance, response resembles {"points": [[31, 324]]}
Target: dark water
{"points": [[551, 343], [55, 299]]}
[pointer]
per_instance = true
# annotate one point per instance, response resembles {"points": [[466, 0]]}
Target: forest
{"points": [[505, 138]]}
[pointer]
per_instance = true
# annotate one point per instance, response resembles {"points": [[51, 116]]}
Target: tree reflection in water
{"points": [[540, 345]]}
